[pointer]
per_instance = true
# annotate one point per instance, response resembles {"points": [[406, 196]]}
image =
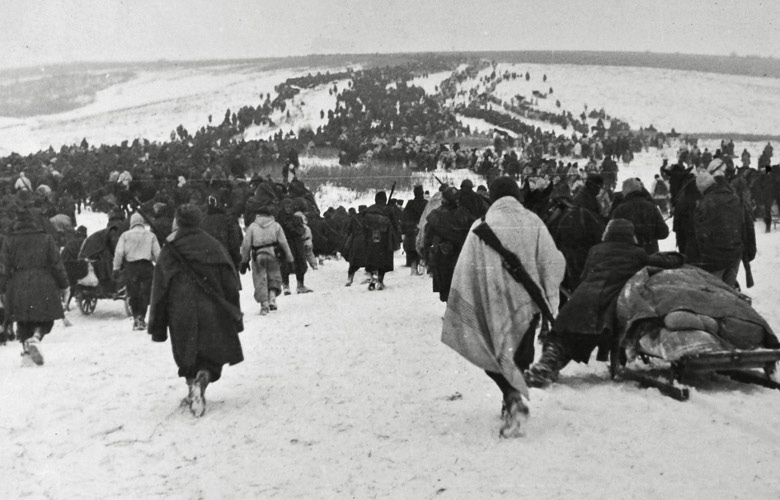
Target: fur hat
{"points": [[619, 230], [466, 184], [81, 231], [136, 220], [380, 198], [631, 186], [188, 215], [418, 191], [505, 186]]}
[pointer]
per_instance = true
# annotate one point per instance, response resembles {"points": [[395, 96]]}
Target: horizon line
{"points": [[239, 60]]}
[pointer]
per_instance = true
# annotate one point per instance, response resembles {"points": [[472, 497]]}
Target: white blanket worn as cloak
{"points": [[488, 311]]}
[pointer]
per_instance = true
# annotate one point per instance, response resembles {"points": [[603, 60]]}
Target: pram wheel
{"points": [[87, 305]]}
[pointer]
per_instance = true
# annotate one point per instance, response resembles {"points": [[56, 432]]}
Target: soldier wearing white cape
{"points": [[490, 318]]}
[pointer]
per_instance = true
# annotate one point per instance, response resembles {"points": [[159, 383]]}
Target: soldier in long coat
{"points": [[383, 236], [195, 296], [33, 282]]}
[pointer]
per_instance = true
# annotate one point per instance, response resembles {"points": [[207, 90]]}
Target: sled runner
{"points": [[695, 325]]}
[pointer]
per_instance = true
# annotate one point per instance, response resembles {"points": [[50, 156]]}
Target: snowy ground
{"points": [[346, 393]]}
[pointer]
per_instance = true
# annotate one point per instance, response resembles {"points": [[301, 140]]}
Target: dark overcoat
{"points": [[381, 232], [199, 326], [591, 309], [31, 274]]}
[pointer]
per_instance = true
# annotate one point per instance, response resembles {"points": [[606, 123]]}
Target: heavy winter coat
{"points": [[381, 232], [224, 229], [355, 244], [262, 236], [720, 226], [649, 225], [199, 326], [591, 308], [575, 231], [294, 232], [31, 275], [472, 202], [410, 220], [445, 233]]}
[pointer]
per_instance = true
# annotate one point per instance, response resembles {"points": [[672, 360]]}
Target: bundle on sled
{"points": [[696, 324]]}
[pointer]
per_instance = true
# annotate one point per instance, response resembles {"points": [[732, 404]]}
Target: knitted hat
{"points": [[188, 215], [631, 186], [619, 230], [136, 220]]}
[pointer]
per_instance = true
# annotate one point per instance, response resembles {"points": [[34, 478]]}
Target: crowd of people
{"points": [[185, 222]]}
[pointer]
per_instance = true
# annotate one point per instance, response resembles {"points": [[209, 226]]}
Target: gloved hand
{"points": [[116, 275], [244, 267]]}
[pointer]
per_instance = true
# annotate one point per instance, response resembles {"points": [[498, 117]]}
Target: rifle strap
{"points": [[489, 237]]}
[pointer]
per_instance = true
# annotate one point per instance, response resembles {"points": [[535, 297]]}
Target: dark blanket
{"points": [[652, 293]]}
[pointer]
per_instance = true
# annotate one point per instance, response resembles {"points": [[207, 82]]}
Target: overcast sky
{"points": [[34, 32]]}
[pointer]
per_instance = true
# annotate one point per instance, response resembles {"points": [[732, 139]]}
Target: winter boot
{"points": [[372, 283], [286, 289], [141, 323], [198, 393], [272, 300], [264, 308], [187, 400], [380, 285], [545, 371], [514, 417], [136, 323], [303, 288], [33, 347], [413, 265], [350, 277]]}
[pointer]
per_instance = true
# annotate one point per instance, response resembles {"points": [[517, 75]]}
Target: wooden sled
{"points": [[741, 366]]}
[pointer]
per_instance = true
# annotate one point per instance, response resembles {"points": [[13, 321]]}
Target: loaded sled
{"points": [[687, 323]]}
